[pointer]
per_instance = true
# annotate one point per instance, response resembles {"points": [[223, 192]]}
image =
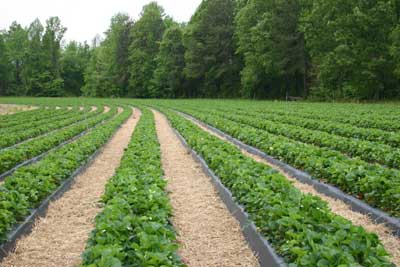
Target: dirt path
{"points": [[208, 234], [6, 109], [60, 237], [106, 109], [390, 242]]}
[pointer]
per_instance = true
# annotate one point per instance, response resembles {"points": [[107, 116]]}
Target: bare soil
{"points": [[390, 242], [11, 108], [60, 237], [207, 232]]}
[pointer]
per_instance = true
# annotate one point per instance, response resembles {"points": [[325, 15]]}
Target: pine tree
{"points": [[211, 65]]}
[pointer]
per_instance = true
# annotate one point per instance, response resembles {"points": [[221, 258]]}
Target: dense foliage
{"points": [[107, 70], [33, 62], [229, 48], [272, 45], [211, 65], [168, 79]]}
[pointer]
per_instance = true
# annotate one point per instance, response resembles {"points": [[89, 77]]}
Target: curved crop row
{"points": [[370, 121], [14, 138], [368, 151], [9, 158], [374, 184], [134, 229], [18, 115], [341, 129], [23, 126], [30, 185], [299, 226], [357, 115], [28, 116]]}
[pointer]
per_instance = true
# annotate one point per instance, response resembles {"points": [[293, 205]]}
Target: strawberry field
{"points": [[253, 148]]}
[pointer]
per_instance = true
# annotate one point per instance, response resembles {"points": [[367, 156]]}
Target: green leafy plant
{"points": [[375, 184], [134, 228], [9, 158], [30, 185], [12, 137], [300, 226]]}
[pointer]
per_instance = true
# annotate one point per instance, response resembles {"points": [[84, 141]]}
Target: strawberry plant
{"points": [[134, 229], [299, 226], [9, 158], [377, 185], [30, 185], [12, 138]]}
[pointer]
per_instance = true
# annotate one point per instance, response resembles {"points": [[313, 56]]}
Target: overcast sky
{"points": [[85, 18]]}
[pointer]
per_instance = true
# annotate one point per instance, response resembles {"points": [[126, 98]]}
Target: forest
{"points": [[257, 49]]}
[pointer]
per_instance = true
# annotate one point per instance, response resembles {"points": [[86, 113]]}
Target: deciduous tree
{"points": [[168, 79], [146, 37]]}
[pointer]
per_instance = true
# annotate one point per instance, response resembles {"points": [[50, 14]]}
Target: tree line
{"points": [[229, 48], [33, 61]]}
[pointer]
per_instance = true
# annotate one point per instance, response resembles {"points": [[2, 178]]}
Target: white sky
{"points": [[85, 18]]}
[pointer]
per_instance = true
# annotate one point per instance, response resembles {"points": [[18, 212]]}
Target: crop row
{"points": [[133, 229], [9, 158], [10, 139], [28, 116], [375, 121], [30, 185], [374, 184], [37, 123], [18, 115], [340, 129], [299, 226], [368, 151], [349, 115], [326, 108]]}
